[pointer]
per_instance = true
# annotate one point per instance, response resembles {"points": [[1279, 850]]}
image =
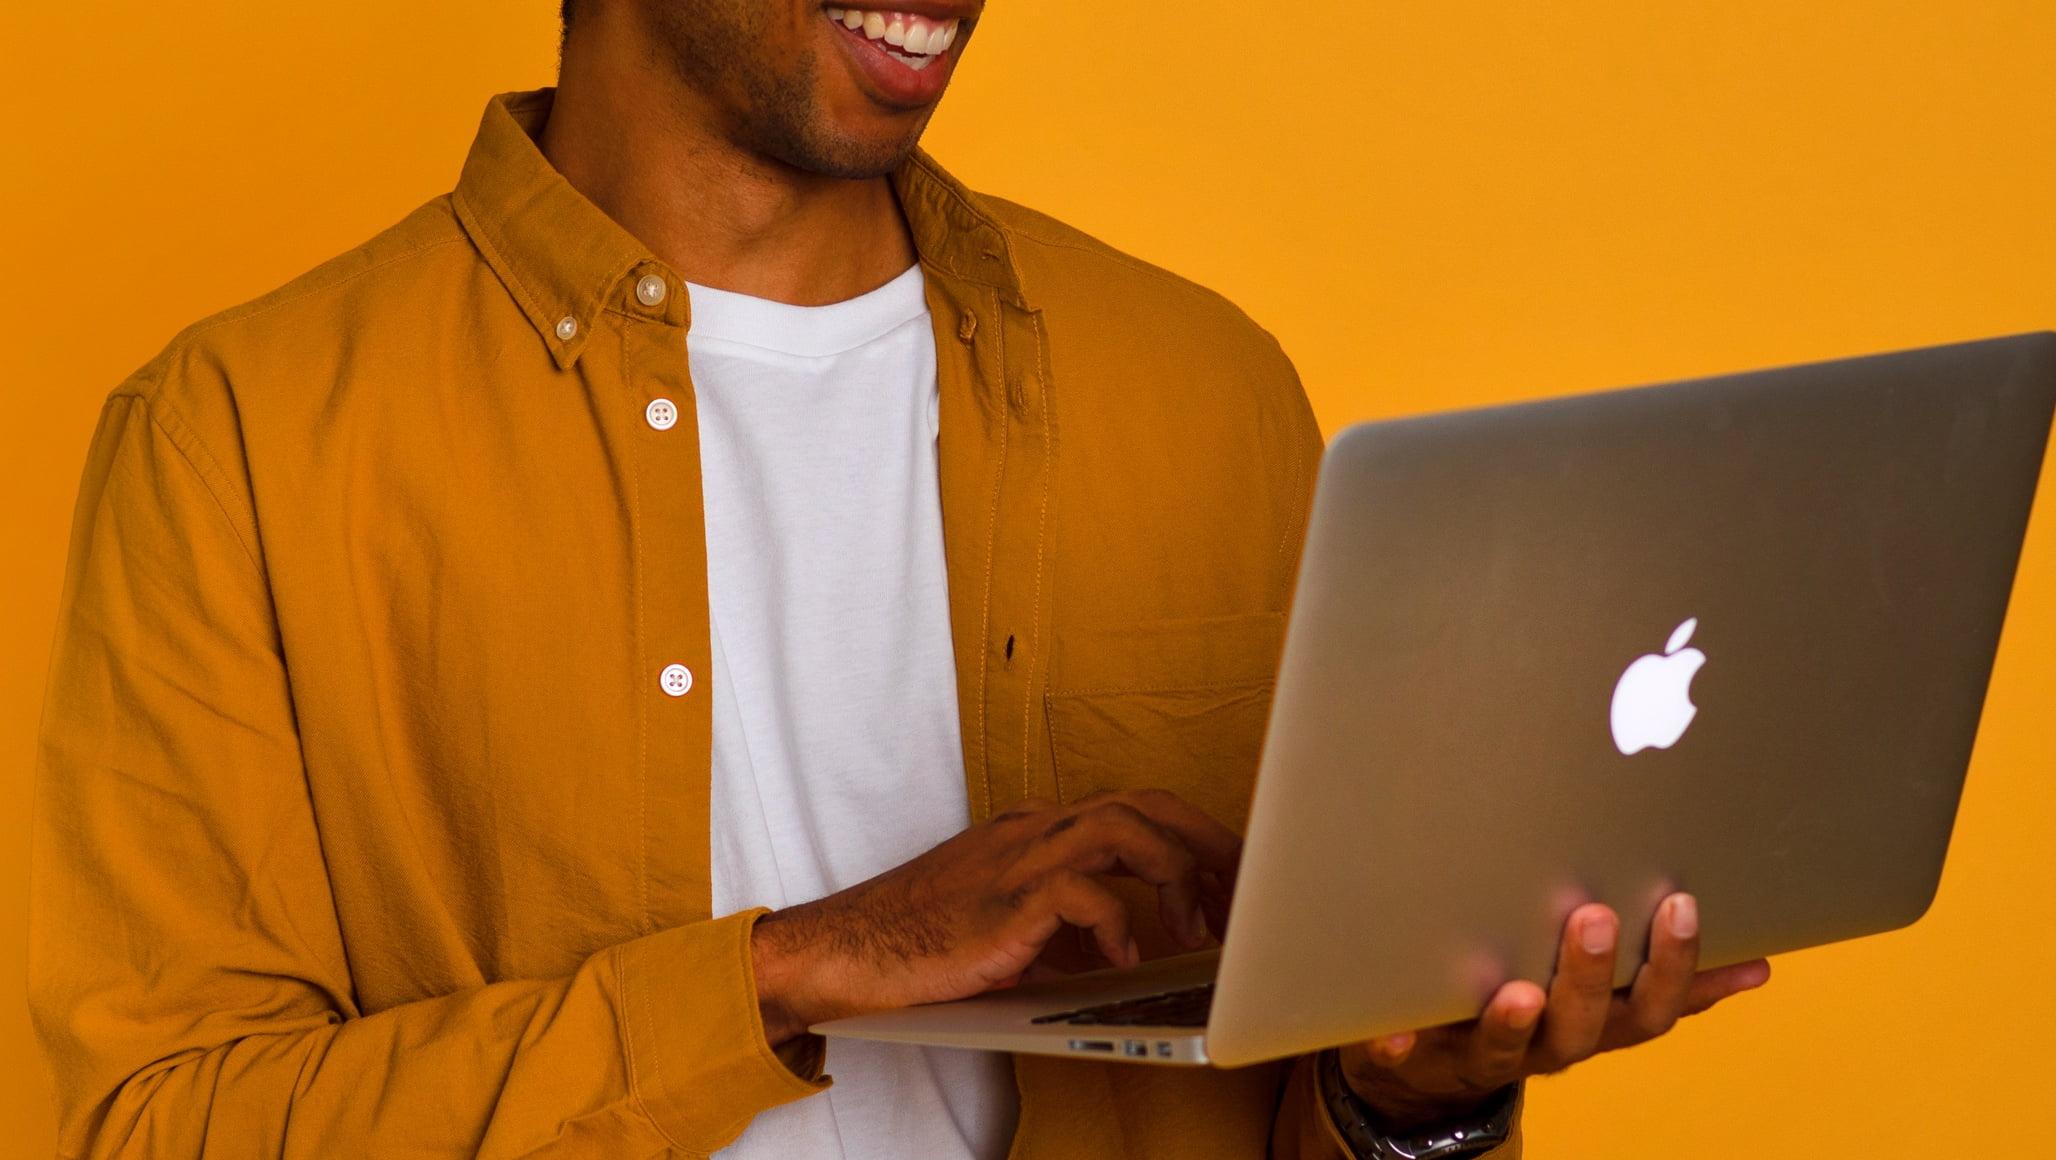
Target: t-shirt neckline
{"points": [[807, 331]]}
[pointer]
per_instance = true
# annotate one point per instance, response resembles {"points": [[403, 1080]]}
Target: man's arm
{"points": [[187, 976]]}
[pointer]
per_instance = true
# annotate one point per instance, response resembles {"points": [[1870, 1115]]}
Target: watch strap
{"points": [[1470, 1135]]}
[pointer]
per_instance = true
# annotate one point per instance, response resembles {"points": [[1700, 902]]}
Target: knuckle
{"points": [[1018, 897], [1594, 985], [1650, 1024], [1024, 809], [1113, 809], [1148, 829], [1068, 882], [1060, 825]]}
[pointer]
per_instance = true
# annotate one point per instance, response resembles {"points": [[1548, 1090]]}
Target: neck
{"points": [[641, 144]]}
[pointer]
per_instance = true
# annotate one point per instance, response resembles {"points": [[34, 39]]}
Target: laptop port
{"points": [[1136, 1047], [1163, 1050], [1106, 1045]]}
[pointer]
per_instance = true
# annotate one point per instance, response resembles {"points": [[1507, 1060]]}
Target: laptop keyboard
{"points": [[1186, 1007]]}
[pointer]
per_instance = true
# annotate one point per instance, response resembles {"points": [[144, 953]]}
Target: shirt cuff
{"points": [[698, 1060]]}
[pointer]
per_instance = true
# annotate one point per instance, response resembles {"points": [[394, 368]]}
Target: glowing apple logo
{"points": [[1652, 703]]}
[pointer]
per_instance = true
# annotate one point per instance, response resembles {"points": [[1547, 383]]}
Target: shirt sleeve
{"points": [[188, 979], [1305, 1131]]}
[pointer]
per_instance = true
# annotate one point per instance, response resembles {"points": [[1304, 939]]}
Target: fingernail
{"points": [[1596, 935], [1198, 925], [1395, 1044], [1134, 953], [1684, 919]]}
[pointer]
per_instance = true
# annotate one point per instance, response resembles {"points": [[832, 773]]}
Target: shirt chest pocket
{"points": [[1173, 704]]}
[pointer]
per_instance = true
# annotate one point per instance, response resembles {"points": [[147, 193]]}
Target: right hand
{"points": [[975, 912]]}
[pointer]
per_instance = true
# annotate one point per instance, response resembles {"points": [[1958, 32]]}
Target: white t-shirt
{"points": [[836, 751]]}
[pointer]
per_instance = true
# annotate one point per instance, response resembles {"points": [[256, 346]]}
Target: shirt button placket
{"points": [[662, 414]]}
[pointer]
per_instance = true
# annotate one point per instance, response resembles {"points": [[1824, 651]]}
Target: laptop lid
{"points": [[1801, 575]]}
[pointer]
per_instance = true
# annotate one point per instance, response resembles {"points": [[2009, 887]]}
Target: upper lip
{"points": [[932, 9]]}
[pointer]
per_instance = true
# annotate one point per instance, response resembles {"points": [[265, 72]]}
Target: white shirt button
{"points": [[661, 413], [676, 680], [650, 290], [567, 328]]}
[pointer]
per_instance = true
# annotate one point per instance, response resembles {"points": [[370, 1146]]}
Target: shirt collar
{"points": [[564, 260]]}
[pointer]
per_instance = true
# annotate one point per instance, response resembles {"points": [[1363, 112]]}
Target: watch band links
{"points": [[1468, 1136]]}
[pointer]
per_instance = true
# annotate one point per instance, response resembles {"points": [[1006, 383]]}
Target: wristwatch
{"points": [[1472, 1135]]}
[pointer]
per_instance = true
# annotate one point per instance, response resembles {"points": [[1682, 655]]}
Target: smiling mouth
{"points": [[914, 41]]}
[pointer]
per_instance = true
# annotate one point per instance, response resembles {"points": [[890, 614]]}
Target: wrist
{"points": [[1405, 1111], [780, 966], [1420, 1126], [1402, 1106]]}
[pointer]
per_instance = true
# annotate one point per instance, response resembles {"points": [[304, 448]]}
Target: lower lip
{"points": [[893, 83]]}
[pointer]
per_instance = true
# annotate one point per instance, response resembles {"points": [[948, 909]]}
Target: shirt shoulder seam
{"points": [[1110, 254], [199, 460], [279, 299]]}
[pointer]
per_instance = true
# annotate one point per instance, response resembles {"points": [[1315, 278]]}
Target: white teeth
{"points": [[915, 36], [917, 63]]}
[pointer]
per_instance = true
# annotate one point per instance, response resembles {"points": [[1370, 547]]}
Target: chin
{"points": [[854, 153]]}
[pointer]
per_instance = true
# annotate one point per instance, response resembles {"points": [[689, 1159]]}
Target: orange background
{"points": [[1430, 205]]}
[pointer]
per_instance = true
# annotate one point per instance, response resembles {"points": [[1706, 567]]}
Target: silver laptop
{"points": [[1729, 636]]}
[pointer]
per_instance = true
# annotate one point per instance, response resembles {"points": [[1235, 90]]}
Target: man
{"points": [[709, 573]]}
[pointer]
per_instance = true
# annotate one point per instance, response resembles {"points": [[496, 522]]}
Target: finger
{"points": [[1710, 987], [1392, 1050], [1110, 835], [1497, 1047], [1582, 991], [1070, 897], [1217, 847], [1025, 809], [1664, 981], [1213, 903], [1041, 972]]}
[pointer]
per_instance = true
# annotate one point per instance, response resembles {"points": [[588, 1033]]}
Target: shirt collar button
{"points": [[650, 290]]}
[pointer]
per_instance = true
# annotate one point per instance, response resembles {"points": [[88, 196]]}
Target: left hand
{"points": [[1420, 1077]]}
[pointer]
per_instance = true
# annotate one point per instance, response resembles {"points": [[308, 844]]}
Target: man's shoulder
{"points": [[1130, 316], [383, 278], [1063, 260]]}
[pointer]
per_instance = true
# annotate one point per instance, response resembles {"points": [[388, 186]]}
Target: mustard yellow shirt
{"points": [[367, 821]]}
